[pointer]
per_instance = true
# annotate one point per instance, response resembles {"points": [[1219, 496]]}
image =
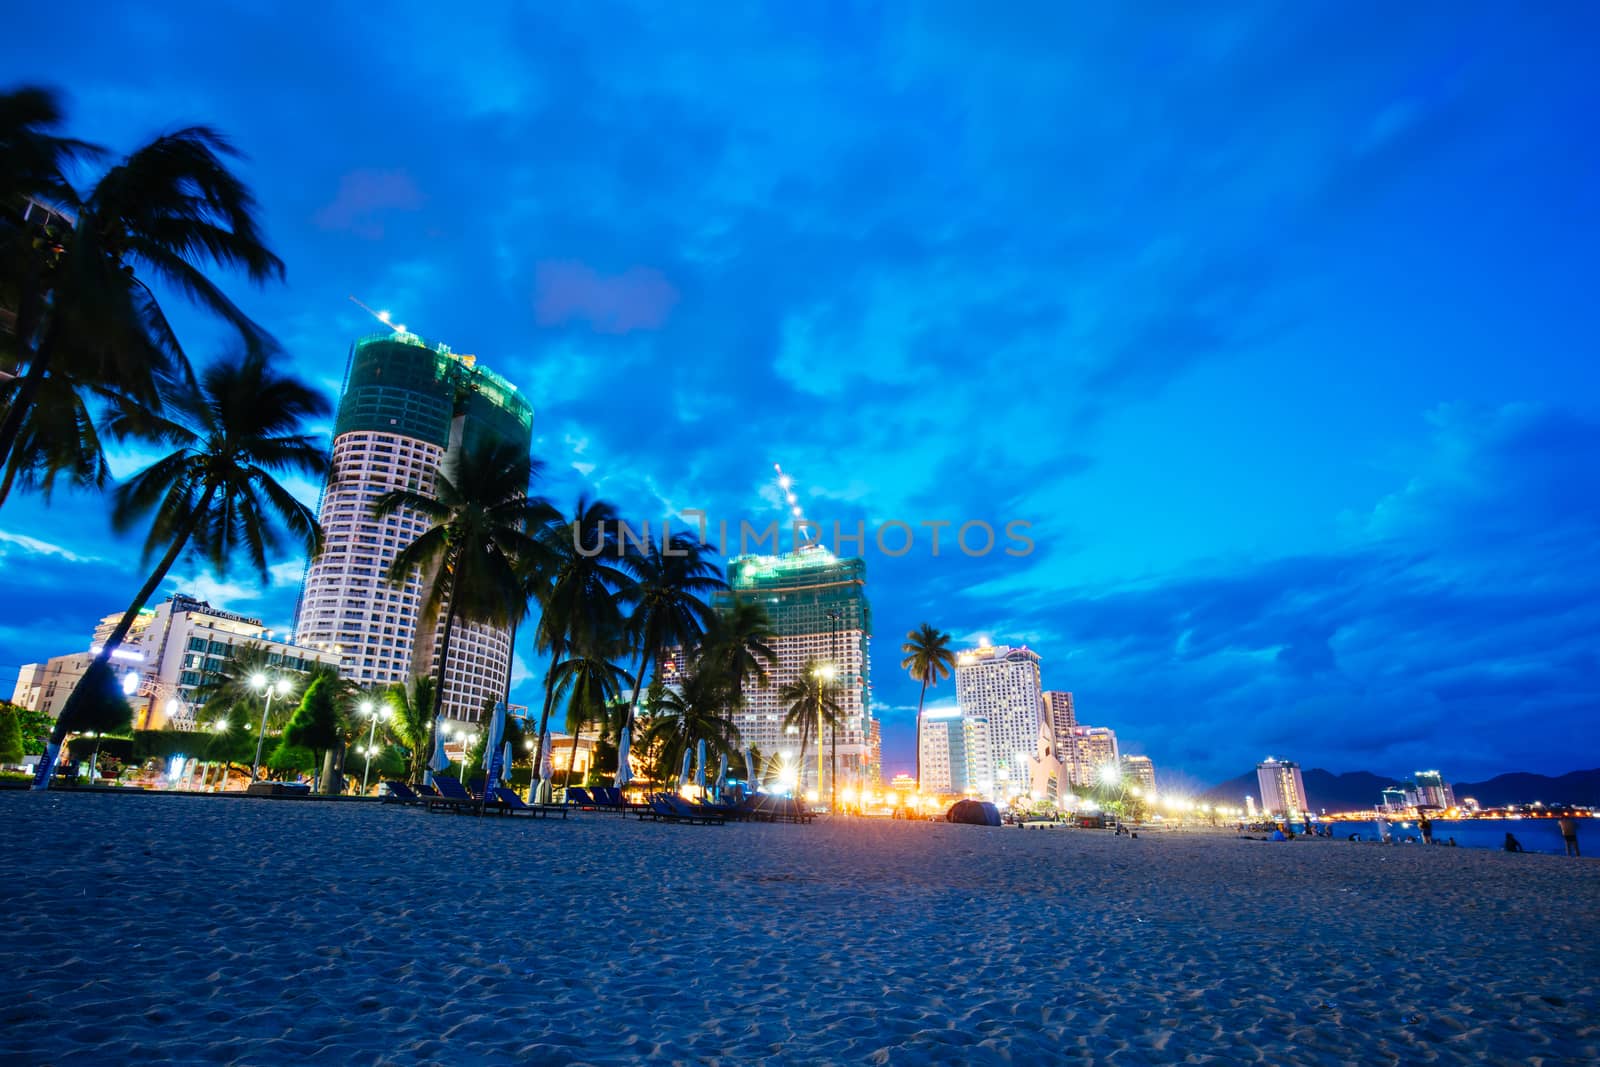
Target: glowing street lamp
{"points": [[374, 713], [261, 684]]}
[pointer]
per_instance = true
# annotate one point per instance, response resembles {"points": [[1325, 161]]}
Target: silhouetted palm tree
{"points": [[591, 681], [807, 698], [668, 604], [928, 658], [235, 429], [737, 647], [412, 724], [577, 591], [690, 712], [483, 521], [85, 315]]}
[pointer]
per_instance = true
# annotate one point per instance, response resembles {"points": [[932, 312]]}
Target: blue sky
{"points": [[1277, 324]]}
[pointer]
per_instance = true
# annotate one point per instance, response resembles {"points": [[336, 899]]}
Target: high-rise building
{"points": [[1139, 772], [1059, 713], [1283, 791], [818, 607], [1094, 748], [1432, 791], [407, 404], [1000, 684], [944, 752], [1396, 799]]}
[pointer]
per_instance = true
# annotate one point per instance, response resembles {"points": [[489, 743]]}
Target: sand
{"points": [[215, 930]]}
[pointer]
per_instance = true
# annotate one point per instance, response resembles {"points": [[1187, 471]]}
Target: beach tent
{"points": [[624, 754], [974, 813], [439, 761], [700, 770], [750, 769]]}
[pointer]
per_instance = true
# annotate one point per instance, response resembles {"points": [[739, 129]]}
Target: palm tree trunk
{"points": [[920, 698], [833, 767], [64, 721], [444, 660], [544, 719]]}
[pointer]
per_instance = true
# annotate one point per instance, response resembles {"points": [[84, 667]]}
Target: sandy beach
{"points": [[205, 930]]}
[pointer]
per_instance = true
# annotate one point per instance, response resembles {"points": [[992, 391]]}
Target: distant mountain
{"points": [[1324, 790], [1362, 789], [1576, 787]]}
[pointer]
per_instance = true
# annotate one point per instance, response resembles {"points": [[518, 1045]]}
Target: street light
{"points": [[260, 683], [375, 714], [824, 675]]}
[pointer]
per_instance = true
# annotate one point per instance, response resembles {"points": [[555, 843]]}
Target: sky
{"points": [[1276, 325]]}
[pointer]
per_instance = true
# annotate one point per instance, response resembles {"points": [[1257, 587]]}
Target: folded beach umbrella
{"points": [[700, 771], [497, 731], [624, 768], [439, 761], [722, 774], [505, 763], [547, 771], [683, 772], [749, 768]]}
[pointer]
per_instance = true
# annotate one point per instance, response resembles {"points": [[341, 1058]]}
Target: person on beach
{"points": [[1569, 834], [1512, 844], [1426, 826]]}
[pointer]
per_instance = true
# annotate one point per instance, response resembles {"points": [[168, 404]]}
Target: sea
{"points": [[1534, 835]]}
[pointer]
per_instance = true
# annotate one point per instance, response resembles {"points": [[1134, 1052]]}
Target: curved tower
{"points": [[406, 405]]}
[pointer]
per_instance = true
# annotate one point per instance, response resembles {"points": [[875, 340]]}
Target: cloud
{"points": [[640, 298], [35, 546], [365, 197]]}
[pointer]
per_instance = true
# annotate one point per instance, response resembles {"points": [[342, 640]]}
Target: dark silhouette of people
{"points": [[1425, 824], [1569, 834], [1512, 844]]}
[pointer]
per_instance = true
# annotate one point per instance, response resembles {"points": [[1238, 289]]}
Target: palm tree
{"points": [[591, 681], [33, 159], [83, 313], [928, 658], [412, 724], [483, 523], [217, 494], [668, 604], [738, 646], [689, 712], [808, 699], [577, 591]]}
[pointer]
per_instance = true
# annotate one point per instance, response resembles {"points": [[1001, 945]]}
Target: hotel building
{"points": [[171, 650], [407, 405], [818, 607], [1139, 772], [955, 753], [1283, 791], [1001, 686]]}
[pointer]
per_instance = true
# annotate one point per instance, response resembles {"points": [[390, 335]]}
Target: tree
{"points": [[737, 648], [591, 682], [35, 727], [928, 658], [577, 589], [688, 713], [318, 726], [216, 494], [232, 692], [412, 724], [10, 738], [85, 315], [483, 524], [808, 698], [668, 606]]}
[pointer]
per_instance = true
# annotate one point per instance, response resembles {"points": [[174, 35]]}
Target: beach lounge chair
{"points": [[400, 793], [669, 807], [506, 802], [610, 798], [578, 797], [453, 796]]}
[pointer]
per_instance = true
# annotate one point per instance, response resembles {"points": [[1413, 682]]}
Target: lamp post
{"points": [[261, 684], [374, 714], [824, 676]]}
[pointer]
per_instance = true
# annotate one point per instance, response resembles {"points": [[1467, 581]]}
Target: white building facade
{"points": [[1001, 686]]}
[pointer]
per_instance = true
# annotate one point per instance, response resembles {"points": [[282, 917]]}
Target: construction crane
{"points": [[786, 487], [381, 316]]}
